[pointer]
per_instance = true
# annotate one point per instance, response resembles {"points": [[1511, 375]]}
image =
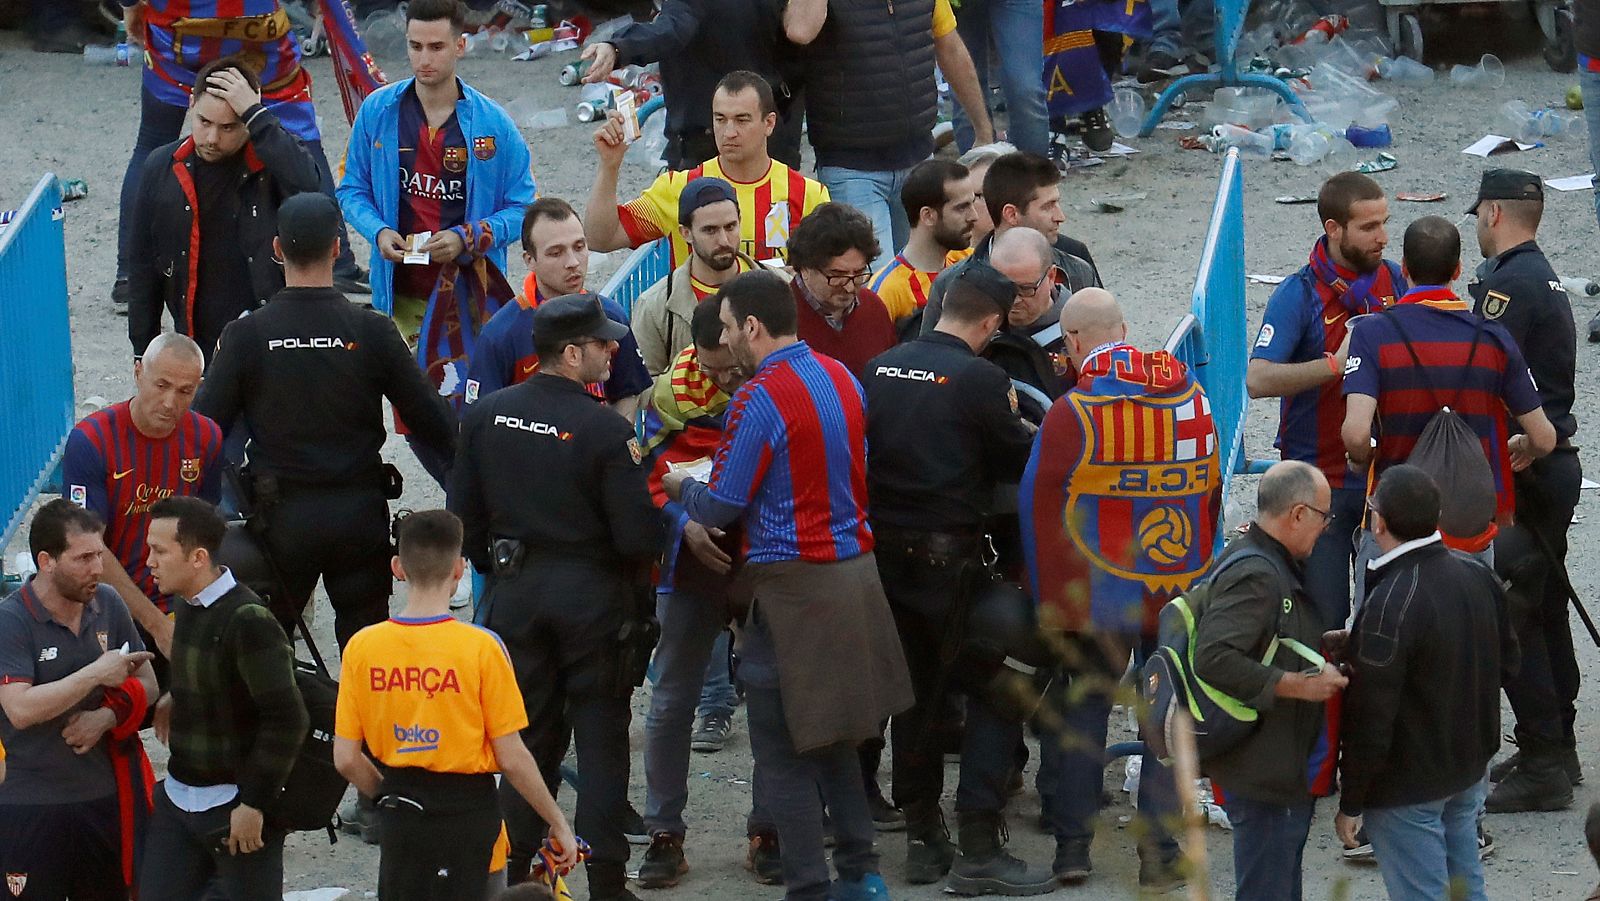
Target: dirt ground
{"points": [[56, 115]]}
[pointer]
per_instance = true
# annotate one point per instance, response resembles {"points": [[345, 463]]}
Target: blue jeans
{"points": [[1166, 27], [717, 695], [1079, 765], [877, 194], [1016, 29], [1429, 851], [691, 631], [159, 124], [1590, 82], [1269, 844], [1328, 568]]}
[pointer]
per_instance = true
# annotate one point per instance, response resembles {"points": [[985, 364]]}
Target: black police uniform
{"points": [[543, 466], [942, 431], [309, 372], [1519, 290]]}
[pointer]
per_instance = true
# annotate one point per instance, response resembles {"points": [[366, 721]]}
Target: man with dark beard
{"points": [[709, 220], [1299, 356], [942, 207]]}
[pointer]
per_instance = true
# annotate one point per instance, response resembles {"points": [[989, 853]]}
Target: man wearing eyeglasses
{"points": [[831, 251]]}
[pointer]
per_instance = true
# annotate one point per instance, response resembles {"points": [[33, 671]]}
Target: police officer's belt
{"points": [[934, 545]]}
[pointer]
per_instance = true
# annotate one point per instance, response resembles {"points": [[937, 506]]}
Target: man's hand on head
{"points": [[229, 85]]}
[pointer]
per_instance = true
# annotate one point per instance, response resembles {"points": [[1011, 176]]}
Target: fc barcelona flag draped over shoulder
{"points": [[1120, 500], [1074, 79]]}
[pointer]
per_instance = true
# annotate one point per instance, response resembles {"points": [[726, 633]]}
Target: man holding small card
{"points": [[436, 178]]}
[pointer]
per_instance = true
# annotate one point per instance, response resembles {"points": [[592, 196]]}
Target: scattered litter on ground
{"points": [[1571, 183], [1491, 145], [1421, 196], [1265, 279]]}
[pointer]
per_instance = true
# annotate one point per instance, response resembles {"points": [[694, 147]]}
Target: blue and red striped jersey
{"points": [[1441, 328], [1301, 325], [181, 36], [118, 472], [793, 459]]}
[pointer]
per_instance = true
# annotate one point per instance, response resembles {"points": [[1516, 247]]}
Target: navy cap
{"points": [[308, 223], [572, 317], [701, 192], [1508, 184], [981, 277]]}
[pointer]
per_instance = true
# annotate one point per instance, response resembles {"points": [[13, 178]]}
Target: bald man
{"points": [[124, 458], [1115, 523]]}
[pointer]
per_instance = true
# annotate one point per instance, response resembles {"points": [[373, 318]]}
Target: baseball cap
{"points": [[703, 191], [574, 316], [1507, 184], [308, 223], [983, 278]]}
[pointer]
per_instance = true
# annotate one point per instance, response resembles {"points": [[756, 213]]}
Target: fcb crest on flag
{"points": [[1134, 502]]}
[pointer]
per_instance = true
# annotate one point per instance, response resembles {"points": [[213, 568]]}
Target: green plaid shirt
{"points": [[237, 716]]}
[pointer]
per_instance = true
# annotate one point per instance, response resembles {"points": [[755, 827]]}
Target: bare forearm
{"points": [[144, 612], [803, 20], [1264, 379], [29, 705], [516, 764], [956, 64], [354, 765], [601, 223]]}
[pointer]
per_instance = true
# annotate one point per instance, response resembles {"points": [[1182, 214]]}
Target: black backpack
{"points": [[1451, 453], [1220, 721]]}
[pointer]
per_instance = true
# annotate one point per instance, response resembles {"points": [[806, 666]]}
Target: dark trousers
{"points": [[342, 536], [437, 857], [559, 621], [1544, 692], [1081, 705], [184, 853], [62, 851], [924, 597], [161, 123], [797, 787], [1328, 568], [1269, 844]]}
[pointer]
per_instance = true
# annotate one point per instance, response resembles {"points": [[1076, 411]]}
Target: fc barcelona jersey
{"points": [[118, 472], [181, 36]]}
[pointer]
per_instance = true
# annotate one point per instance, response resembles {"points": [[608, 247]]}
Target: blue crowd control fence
{"points": [[647, 265], [1212, 338], [1230, 16], [36, 359]]}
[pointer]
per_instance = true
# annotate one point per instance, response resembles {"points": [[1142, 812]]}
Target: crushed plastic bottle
{"points": [[1405, 70], [1250, 143], [1309, 144], [1530, 126]]}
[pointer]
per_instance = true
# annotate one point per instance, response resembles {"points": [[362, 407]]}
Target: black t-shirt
{"points": [[223, 290]]}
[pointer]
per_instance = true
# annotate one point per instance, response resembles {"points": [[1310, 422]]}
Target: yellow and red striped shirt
{"points": [[904, 288], [768, 209]]}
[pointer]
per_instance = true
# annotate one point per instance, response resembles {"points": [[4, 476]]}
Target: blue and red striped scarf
{"points": [[1343, 290]]}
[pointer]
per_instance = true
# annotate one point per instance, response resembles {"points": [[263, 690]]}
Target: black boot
{"points": [[985, 868], [1567, 752], [1538, 783], [929, 852], [608, 882]]}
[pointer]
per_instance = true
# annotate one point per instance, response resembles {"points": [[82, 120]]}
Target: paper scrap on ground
{"points": [[1176, 125], [1266, 279], [1489, 145], [1589, 483], [317, 894], [1118, 149], [1571, 183]]}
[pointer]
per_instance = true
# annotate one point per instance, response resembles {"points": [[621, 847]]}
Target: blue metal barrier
{"points": [[1211, 338], [648, 264], [36, 363], [1230, 15]]}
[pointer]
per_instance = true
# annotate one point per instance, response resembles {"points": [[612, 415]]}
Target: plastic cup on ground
{"points": [[1127, 112], [1488, 73]]}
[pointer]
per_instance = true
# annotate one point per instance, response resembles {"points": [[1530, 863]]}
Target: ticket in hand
{"points": [[416, 255]]}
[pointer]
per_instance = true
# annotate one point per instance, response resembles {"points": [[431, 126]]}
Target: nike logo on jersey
{"points": [[1330, 320], [121, 475]]}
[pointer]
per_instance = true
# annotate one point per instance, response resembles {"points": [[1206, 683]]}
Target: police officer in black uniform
{"points": [[309, 372], [556, 508], [1516, 287], [942, 431]]}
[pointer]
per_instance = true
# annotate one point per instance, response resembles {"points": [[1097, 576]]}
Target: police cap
{"points": [[308, 224], [979, 277], [1507, 184], [572, 317]]}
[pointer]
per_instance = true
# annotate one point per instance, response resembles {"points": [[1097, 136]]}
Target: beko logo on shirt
{"points": [[531, 425], [319, 343], [911, 375], [416, 738]]}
